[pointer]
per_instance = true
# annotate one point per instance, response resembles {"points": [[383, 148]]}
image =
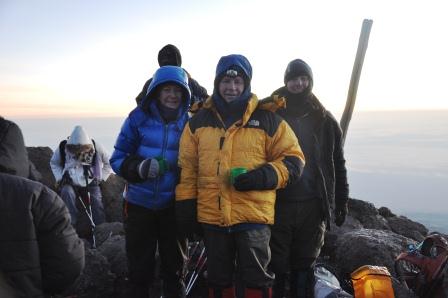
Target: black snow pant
{"points": [[146, 230], [296, 240]]}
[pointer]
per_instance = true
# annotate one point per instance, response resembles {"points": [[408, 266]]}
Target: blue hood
{"points": [[165, 74], [231, 112], [233, 60]]}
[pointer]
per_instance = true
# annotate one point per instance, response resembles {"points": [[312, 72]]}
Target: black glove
{"points": [[187, 224], [263, 178], [340, 213]]}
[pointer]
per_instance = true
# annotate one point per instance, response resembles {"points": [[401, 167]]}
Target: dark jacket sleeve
{"points": [[142, 93], [341, 185], [61, 251], [198, 93]]}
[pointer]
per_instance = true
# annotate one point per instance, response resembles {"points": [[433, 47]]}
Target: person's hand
{"points": [[263, 178], [150, 168], [187, 224], [340, 213]]}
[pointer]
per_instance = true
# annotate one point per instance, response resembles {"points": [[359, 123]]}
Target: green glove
{"points": [[163, 165]]}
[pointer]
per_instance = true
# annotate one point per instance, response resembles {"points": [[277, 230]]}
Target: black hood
{"points": [[13, 154]]}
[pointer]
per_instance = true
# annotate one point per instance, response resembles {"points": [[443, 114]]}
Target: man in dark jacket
{"points": [[170, 55], [303, 210], [40, 253]]}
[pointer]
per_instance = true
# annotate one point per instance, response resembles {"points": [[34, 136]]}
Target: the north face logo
{"points": [[253, 122]]}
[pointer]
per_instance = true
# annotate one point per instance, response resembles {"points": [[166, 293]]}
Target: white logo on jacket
{"points": [[253, 122]]}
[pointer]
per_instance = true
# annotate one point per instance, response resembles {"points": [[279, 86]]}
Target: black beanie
{"points": [[297, 68], [169, 55]]}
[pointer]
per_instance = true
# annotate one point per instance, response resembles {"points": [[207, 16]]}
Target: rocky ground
{"points": [[370, 236]]}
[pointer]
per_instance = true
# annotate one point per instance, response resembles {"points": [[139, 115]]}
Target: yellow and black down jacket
{"points": [[208, 151]]}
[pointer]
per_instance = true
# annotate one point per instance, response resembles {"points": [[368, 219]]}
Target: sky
{"points": [[91, 58]]}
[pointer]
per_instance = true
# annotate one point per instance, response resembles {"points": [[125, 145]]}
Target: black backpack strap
{"points": [[62, 152], [94, 155]]}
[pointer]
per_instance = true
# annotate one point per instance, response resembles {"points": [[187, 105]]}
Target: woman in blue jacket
{"points": [[145, 154]]}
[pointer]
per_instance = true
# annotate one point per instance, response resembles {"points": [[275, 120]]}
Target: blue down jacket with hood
{"points": [[145, 134]]}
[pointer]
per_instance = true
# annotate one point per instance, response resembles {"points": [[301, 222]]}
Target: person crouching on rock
{"points": [[146, 153], [79, 164]]}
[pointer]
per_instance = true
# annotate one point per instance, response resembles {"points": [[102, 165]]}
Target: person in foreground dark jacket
{"points": [[40, 252], [303, 210], [170, 55]]}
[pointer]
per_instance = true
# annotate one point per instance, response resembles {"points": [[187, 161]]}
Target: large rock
{"points": [[96, 281], [106, 230], [40, 157], [408, 228], [369, 247], [114, 251], [112, 190], [367, 215]]}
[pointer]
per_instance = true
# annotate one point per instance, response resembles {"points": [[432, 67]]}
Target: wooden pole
{"points": [[356, 74]]}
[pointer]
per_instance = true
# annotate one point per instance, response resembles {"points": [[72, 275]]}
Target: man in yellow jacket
{"points": [[232, 131]]}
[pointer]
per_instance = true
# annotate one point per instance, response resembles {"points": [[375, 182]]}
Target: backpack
{"points": [[372, 281], [327, 284], [62, 152], [422, 267]]}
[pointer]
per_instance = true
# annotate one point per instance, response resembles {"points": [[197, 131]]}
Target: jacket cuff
{"points": [[129, 167]]}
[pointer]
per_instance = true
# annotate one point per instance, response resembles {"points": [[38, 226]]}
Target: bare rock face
{"points": [[96, 280], [40, 157], [114, 251], [408, 228], [367, 215], [106, 230], [385, 212], [112, 191], [366, 246]]}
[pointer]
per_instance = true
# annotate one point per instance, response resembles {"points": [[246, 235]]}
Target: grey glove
{"points": [[340, 213], [148, 168]]}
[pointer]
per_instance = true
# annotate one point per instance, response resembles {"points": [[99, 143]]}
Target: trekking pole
{"points": [[356, 74], [196, 267], [191, 254], [197, 275], [89, 202]]}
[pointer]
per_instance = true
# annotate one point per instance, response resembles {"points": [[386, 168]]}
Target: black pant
{"points": [[297, 235], [296, 241], [145, 230]]}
